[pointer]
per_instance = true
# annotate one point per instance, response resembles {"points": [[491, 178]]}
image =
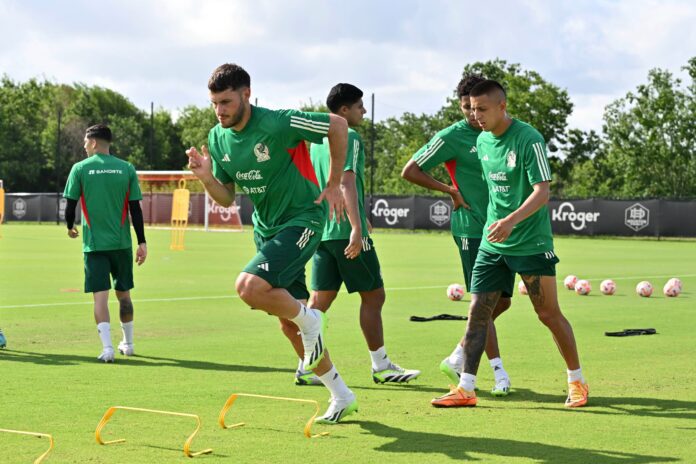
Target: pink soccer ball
{"points": [[672, 288], [607, 287], [522, 288], [570, 281], [455, 292], [644, 289], [583, 287]]}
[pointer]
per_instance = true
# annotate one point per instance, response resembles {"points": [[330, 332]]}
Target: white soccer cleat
{"points": [[502, 387], [394, 374], [338, 409], [313, 340], [126, 349], [107, 355]]}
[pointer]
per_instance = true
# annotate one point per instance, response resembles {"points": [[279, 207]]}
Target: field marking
{"points": [[222, 297]]}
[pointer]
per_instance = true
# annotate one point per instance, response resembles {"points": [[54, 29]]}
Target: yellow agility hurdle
{"points": [[233, 397], [187, 446], [35, 434]]}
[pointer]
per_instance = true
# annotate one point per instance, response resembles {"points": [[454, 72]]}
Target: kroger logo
{"points": [[566, 213], [391, 215], [637, 217]]}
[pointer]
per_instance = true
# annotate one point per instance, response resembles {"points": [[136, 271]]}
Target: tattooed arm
{"points": [[482, 305]]}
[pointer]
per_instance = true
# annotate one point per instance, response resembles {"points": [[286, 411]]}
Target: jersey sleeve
{"points": [[134, 192], [434, 153], [355, 149], [300, 125], [536, 163], [73, 188], [214, 149]]}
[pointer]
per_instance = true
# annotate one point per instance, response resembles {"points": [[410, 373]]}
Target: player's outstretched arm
{"points": [[201, 166], [338, 143], [500, 230], [414, 174], [350, 193]]}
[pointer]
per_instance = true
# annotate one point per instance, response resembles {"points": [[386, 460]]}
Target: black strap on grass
{"points": [[439, 317], [629, 332]]}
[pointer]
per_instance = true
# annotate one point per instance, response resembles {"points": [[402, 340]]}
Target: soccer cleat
{"points": [[502, 387], [394, 374], [338, 409], [313, 340], [577, 394], [107, 355], [3, 340], [456, 398], [306, 378], [126, 349], [450, 370]]}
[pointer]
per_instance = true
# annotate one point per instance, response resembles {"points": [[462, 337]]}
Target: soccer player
{"points": [[346, 253], [455, 147], [264, 153], [108, 190], [3, 340], [518, 240]]}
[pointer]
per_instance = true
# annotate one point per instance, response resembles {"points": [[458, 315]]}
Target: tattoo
{"points": [[126, 307], [482, 306], [534, 289]]}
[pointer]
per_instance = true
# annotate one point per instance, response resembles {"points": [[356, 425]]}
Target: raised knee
{"points": [[246, 288]]}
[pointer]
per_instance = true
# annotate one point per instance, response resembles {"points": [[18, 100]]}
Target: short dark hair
{"points": [[99, 131], [343, 94], [488, 87], [228, 76], [467, 83]]}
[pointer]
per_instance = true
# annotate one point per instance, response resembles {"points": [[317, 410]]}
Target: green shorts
{"points": [[101, 265], [494, 272], [468, 249], [331, 268], [280, 260]]}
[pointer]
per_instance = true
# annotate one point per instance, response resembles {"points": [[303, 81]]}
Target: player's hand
{"points": [[354, 247], [458, 199], [141, 253], [199, 164], [334, 196], [73, 233], [499, 231]]}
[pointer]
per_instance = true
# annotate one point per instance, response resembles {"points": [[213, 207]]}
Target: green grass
{"points": [[197, 343]]}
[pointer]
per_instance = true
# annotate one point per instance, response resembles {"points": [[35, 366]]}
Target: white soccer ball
{"points": [[607, 287], [583, 287], [570, 281], [455, 292], [672, 288], [522, 288], [644, 288]]}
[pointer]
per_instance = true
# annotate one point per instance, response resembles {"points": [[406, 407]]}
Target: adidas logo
{"points": [[485, 158], [263, 266], [226, 158], [473, 150]]}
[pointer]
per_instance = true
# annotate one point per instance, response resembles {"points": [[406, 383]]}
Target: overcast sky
{"points": [[409, 53]]}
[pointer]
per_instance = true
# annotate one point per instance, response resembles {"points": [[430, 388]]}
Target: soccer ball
{"points": [[644, 288], [455, 292], [673, 287], [569, 282], [583, 287], [607, 287], [522, 288]]}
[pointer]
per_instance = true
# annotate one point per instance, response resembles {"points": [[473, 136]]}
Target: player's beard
{"points": [[238, 116]]}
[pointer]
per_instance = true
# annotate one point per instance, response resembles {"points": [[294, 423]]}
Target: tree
{"points": [[579, 147], [194, 123]]}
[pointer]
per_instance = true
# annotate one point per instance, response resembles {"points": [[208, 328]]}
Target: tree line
{"points": [[647, 147]]}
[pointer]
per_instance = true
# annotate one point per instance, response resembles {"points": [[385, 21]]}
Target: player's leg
{"points": [[122, 265], [538, 273], [98, 283]]}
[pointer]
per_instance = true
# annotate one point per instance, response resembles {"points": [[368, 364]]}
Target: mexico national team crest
{"points": [[511, 159], [261, 152]]}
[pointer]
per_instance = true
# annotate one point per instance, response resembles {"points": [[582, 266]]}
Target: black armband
{"points": [[70, 213], [136, 214]]}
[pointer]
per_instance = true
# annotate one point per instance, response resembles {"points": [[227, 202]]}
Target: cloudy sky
{"points": [[409, 53]]}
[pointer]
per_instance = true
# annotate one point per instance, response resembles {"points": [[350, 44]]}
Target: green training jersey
{"points": [[512, 164], [268, 159], [455, 146], [355, 161], [104, 185]]}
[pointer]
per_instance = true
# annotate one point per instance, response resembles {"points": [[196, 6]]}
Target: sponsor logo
{"points": [[226, 157], [263, 266], [254, 174], [501, 188], [578, 220], [19, 208], [637, 217], [225, 214], [262, 153], [473, 150], [511, 159], [439, 212], [62, 204], [498, 176], [391, 215], [104, 171], [485, 158], [254, 190]]}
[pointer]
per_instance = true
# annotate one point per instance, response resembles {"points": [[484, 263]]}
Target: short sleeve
{"points": [[300, 125], [134, 192], [73, 188], [355, 148], [536, 161], [214, 149], [434, 153]]}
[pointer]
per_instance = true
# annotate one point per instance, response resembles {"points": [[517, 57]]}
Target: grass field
{"points": [[197, 343]]}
